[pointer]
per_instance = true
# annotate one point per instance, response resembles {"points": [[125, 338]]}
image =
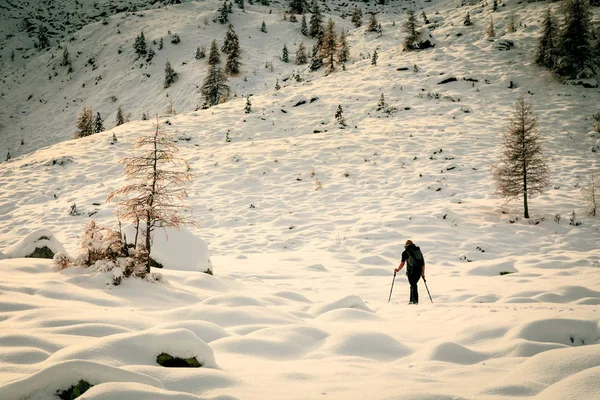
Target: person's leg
{"points": [[413, 279]]}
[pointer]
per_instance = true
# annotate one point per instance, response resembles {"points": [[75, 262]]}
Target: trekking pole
{"points": [[427, 290], [392, 287]]}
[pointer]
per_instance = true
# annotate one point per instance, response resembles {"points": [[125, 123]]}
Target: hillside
{"points": [[305, 222]]}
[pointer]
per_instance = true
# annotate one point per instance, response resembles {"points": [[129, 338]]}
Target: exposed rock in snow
{"points": [[38, 244]]}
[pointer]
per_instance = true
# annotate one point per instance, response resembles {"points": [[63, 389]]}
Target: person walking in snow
{"points": [[415, 270]]}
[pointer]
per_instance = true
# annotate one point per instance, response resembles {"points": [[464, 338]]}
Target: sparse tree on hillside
{"points": [[233, 63], [200, 53], [265, 2], [467, 21], [170, 75], [373, 24], [98, 124], [316, 61], [214, 87], [43, 40], [576, 55], [120, 119], [301, 56], [591, 195], [304, 27], [374, 58], [316, 20], [285, 55], [214, 57], [240, 4], [547, 47], [490, 32], [293, 18], [66, 58], [329, 46], [339, 116], [263, 27], [357, 17], [410, 28], [296, 6], [511, 27], [522, 170], [425, 19], [231, 41], [85, 123], [495, 6], [161, 44], [343, 49], [139, 45], [223, 17], [155, 189], [277, 85], [248, 107]]}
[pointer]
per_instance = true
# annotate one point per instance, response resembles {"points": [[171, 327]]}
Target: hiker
{"points": [[415, 270]]}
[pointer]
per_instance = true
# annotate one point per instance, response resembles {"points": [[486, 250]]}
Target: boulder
{"points": [[38, 244]]}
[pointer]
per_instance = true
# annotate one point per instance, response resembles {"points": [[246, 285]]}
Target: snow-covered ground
{"points": [[298, 305]]}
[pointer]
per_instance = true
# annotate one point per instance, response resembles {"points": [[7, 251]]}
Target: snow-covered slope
{"points": [[298, 308]]}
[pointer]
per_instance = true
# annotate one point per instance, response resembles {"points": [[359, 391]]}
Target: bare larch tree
{"points": [[155, 187], [522, 170]]}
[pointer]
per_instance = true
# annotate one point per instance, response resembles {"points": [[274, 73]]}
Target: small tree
{"points": [[374, 58], [328, 49], [155, 187], [139, 45], [410, 28], [277, 85], [285, 55], [214, 88], [98, 124], [381, 103], [161, 43], [546, 50], [316, 61], [303, 26], [248, 107], [240, 4], [170, 75], [343, 49], [297, 6], [511, 27], [490, 32], [373, 24], [576, 55], [85, 123], [233, 63], [301, 56], [522, 171], [200, 53], [214, 57], [425, 19], [339, 116], [66, 58], [357, 17], [591, 195], [223, 17], [231, 41], [495, 6], [120, 120], [467, 21], [43, 40], [263, 27], [316, 20]]}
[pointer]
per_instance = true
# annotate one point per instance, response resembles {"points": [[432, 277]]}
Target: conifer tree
{"points": [[547, 46], [98, 124], [425, 19], [357, 17], [85, 123], [265, 2], [263, 27], [304, 27], [410, 28], [490, 32], [230, 7], [374, 58], [12, 55], [161, 43], [296, 6], [66, 58], [214, 88], [343, 49], [316, 20], [144, 116], [277, 85], [467, 21], [139, 45], [591, 195], [522, 170], [328, 49], [200, 53], [170, 75], [231, 41], [511, 27], [43, 40], [240, 4], [214, 57], [223, 17], [495, 6], [576, 55], [155, 188], [120, 119], [8, 156], [339, 116], [248, 108], [233, 63], [373, 24], [381, 103], [316, 61], [293, 18], [285, 56], [301, 56]]}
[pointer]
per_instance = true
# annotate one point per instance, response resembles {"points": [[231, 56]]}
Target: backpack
{"points": [[415, 257]]}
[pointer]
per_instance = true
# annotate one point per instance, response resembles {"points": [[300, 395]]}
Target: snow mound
{"points": [[278, 343], [231, 300], [177, 249], [373, 272], [44, 384], [455, 353], [316, 267], [371, 345], [582, 385], [570, 332], [120, 391], [492, 268], [347, 315], [373, 260], [206, 331], [345, 302], [35, 240], [294, 296], [140, 348]]}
